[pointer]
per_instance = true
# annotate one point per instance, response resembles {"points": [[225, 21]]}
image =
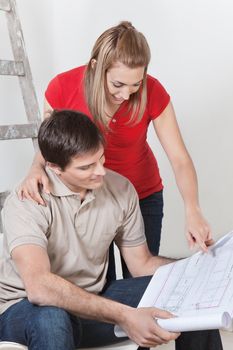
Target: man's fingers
{"points": [[158, 313], [156, 339]]}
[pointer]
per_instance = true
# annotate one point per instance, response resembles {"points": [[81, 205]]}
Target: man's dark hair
{"points": [[67, 134]]}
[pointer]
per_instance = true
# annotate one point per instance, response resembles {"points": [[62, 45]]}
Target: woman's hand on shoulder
{"points": [[198, 231], [31, 185]]}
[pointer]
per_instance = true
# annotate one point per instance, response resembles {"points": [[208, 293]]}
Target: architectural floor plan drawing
{"points": [[201, 285], [198, 290]]}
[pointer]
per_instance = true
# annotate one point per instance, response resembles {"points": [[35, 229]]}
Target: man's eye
{"points": [[85, 167]]}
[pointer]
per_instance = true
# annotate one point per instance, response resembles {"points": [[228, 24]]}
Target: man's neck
{"points": [[79, 190]]}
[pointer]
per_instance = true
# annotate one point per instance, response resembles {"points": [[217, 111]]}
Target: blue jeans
{"points": [[152, 213], [52, 328]]}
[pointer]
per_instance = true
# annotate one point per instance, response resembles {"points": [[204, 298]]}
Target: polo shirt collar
{"points": [[59, 189]]}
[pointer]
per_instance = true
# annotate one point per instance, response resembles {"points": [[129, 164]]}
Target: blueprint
{"points": [[198, 289], [201, 285]]}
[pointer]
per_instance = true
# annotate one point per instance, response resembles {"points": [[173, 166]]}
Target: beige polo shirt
{"points": [[75, 234]]}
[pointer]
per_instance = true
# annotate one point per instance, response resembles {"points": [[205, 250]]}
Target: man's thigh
{"points": [[126, 291], [25, 323], [15, 320]]}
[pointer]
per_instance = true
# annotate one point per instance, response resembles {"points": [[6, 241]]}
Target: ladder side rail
{"points": [[19, 52]]}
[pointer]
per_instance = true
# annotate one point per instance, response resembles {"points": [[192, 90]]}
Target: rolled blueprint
{"points": [[196, 322], [191, 323]]}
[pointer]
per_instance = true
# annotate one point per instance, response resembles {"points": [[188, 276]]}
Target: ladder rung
{"points": [[4, 5], [20, 131], [11, 68]]}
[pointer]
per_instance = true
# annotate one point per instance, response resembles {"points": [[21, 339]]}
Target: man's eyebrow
{"points": [[84, 165]]}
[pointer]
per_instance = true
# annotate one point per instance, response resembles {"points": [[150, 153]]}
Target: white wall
{"points": [[192, 54]]}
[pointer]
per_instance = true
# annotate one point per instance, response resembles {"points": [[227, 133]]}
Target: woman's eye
{"points": [[117, 85]]}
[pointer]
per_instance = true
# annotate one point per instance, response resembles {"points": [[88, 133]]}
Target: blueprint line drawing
{"points": [[198, 290], [202, 283], [209, 290]]}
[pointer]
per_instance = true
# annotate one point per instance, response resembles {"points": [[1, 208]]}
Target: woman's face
{"points": [[123, 81]]}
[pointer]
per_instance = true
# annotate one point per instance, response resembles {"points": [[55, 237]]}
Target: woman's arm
{"points": [[167, 129], [30, 187]]}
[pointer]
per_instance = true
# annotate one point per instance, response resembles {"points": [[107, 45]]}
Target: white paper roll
{"points": [[197, 322], [191, 323]]}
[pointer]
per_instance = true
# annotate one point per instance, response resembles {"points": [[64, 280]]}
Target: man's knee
{"points": [[49, 320]]}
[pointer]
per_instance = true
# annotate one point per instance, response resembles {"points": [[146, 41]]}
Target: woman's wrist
{"points": [[192, 208]]}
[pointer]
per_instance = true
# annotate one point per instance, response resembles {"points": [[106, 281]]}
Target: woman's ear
{"points": [[93, 63]]}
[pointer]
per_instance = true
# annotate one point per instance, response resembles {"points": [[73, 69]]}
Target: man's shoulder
{"points": [[116, 182], [13, 205], [113, 175]]}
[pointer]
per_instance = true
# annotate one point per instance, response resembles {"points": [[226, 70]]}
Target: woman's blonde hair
{"points": [[122, 43]]}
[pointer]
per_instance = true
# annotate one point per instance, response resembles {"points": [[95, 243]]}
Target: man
{"points": [[53, 290]]}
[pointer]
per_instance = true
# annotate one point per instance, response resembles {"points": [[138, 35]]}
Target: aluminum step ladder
{"points": [[20, 68]]}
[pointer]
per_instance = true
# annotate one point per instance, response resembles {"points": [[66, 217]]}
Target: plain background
{"points": [[192, 53]]}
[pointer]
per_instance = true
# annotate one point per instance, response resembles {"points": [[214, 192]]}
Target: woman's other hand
{"points": [[36, 180]]}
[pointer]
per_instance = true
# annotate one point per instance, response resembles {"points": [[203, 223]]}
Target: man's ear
{"points": [[54, 167], [93, 63]]}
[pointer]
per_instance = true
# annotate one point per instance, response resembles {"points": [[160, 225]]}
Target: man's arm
{"points": [[140, 261], [45, 288]]}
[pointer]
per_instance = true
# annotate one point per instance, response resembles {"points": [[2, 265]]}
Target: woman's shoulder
{"points": [[157, 97], [154, 87], [153, 82], [74, 73]]}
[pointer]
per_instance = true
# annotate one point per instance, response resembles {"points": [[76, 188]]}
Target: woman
{"points": [[115, 91]]}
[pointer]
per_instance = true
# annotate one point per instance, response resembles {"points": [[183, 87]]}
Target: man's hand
{"points": [[140, 325]]}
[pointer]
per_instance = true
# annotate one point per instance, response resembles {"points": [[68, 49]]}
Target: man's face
{"points": [[85, 172]]}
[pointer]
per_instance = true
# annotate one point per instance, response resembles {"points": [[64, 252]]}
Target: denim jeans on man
{"points": [[52, 328]]}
